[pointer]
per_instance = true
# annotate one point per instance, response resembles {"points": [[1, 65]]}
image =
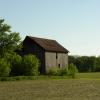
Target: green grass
{"points": [[85, 87], [59, 89], [41, 77], [45, 77], [93, 75]]}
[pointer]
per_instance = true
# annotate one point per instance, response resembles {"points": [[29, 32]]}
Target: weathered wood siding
{"points": [[53, 59]]}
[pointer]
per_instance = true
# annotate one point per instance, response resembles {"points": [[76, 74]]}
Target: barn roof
{"points": [[49, 45]]}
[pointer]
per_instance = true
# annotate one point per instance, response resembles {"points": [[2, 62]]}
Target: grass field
{"points": [[95, 75], [52, 89]]}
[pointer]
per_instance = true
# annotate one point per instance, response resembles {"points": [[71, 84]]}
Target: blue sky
{"points": [[73, 23]]}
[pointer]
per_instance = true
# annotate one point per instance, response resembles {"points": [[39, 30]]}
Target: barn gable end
{"points": [[54, 59]]}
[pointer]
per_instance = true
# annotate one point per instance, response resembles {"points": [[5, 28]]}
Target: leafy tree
{"points": [[97, 64], [91, 63], [72, 59], [83, 63], [8, 39]]}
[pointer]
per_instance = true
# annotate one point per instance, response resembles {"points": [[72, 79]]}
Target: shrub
{"points": [[72, 70], [58, 71], [16, 68], [4, 67], [30, 65], [27, 65], [53, 71], [15, 61], [63, 71]]}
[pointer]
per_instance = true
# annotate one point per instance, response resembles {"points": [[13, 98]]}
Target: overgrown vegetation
{"points": [[70, 70], [12, 64], [30, 65], [58, 71], [4, 67]]}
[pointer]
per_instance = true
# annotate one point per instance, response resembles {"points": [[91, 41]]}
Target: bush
{"points": [[53, 71], [58, 71], [15, 61], [72, 70], [63, 71], [27, 65], [30, 65], [4, 67], [16, 68]]}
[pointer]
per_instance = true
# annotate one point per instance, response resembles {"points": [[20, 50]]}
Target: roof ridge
{"points": [[42, 38]]}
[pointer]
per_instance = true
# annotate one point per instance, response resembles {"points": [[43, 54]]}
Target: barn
{"points": [[49, 52]]}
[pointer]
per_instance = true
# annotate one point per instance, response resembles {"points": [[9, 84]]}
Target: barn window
{"points": [[56, 56]]}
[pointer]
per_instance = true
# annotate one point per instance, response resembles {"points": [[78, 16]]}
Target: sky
{"points": [[73, 23]]}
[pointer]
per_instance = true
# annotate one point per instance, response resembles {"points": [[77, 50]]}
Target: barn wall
{"points": [[50, 60], [62, 60], [53, 59]]}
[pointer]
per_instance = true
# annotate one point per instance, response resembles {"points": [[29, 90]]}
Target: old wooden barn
{"points": [[50, 52]]}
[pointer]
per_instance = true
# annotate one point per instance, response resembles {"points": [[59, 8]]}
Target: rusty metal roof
{"points": [[49, 45]]}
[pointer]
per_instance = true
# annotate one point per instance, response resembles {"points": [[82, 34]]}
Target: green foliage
{"points": [[30, 65], [8, 40], [53, 71], [26, 65], [15, 61], [84, 63], [16, 68], [72, 59], [97, 65], [4, 67], [63, 71], [58, 71], [72, 70], [4, 27]]}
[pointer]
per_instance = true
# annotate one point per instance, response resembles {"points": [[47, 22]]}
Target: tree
{"points": [[83, 63], [8, 40], [91, 63], [72, 59], [97, 64]]}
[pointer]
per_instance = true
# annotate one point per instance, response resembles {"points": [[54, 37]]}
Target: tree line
{"points": [[86, 63]]}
